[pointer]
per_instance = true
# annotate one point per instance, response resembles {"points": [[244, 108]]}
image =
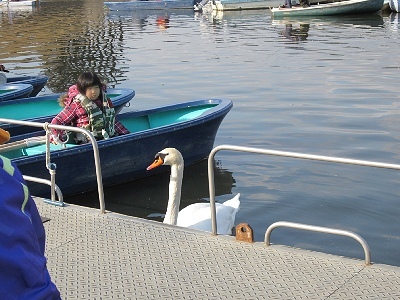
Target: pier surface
{"points": [[113, 256]]}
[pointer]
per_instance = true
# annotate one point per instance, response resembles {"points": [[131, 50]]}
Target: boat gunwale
{"points": [[27, 79]]}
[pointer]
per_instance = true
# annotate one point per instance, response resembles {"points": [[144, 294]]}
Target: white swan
{"points": [[197, 215]]}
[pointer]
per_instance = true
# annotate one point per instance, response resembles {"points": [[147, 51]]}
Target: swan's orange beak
{"points": [[158, 162]]}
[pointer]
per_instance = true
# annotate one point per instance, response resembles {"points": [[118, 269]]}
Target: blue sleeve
{"points": [[23, 270]]}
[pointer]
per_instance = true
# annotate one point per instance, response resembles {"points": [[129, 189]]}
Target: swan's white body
{"points": [[197, 215]]}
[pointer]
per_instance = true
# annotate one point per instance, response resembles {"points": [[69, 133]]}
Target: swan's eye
{"points": [[159, 155], [162, 156]]}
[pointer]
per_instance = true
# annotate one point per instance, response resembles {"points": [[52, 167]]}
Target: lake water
{"points": [[326, 86]]}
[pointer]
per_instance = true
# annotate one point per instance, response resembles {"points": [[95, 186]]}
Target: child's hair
{"points": [[86, 80], [61, 99]]}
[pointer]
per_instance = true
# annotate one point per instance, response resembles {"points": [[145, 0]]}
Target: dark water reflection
{"points": [[325, 86], [149, 194]]}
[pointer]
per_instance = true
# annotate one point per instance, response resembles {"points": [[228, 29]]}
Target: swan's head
{"points": [[167, 157]]}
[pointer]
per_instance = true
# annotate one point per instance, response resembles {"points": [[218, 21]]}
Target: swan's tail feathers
{"points": [[234, 202]]}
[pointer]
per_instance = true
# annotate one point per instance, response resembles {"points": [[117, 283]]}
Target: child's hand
{"points": [[54, 139]]}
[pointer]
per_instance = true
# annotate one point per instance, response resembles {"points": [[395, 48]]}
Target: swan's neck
{"points": [[175, 185]]}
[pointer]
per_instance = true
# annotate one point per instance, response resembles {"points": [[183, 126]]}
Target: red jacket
{"points": [[74, 114]]}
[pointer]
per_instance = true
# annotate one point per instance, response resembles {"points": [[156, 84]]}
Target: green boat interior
{"points": [[164, 118], [33, 109]]}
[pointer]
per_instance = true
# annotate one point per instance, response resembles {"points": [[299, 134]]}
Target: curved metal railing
{"points": [[350, 234], [57, 190], [96, 154]]}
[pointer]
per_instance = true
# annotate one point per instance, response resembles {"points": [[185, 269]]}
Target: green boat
{"points": [[325, 8]]}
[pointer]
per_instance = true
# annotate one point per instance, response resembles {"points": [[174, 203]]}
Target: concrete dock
{"points": [[113, 256]]}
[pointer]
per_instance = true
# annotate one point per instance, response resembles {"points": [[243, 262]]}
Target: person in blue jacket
{"points": [[23, 271]]}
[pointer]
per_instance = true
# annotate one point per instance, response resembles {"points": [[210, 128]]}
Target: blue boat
{"points": [[14, 91], [38, 82], [44, 108], [150, 4], [190, 127]]}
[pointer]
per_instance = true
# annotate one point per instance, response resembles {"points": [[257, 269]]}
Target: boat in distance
{"points": [[150, 5], [324, 8], [43, 109], [229, 5], [38, 82], [190, 127], [9, 91]]}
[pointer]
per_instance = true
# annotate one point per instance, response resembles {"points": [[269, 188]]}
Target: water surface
{"points": [[326, 86]]}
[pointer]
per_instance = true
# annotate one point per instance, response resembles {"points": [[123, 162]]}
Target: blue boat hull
{"points": [[150, 4], [26, 109], [11, 91], [125, 158], [37, 82]]}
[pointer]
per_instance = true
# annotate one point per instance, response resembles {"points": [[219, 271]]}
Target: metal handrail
{"points": [[350, 234], [213, 152], [74, 129]]}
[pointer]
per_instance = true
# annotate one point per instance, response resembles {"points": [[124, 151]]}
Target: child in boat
{"points": [[23, 272], [3, 78], [87, 106]]}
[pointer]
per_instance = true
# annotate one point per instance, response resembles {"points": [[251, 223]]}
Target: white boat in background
{"points": [[394, 5], [24, 3], [229, 5]]}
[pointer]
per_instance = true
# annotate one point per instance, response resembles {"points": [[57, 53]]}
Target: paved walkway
{"points": [[112, 256]]}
